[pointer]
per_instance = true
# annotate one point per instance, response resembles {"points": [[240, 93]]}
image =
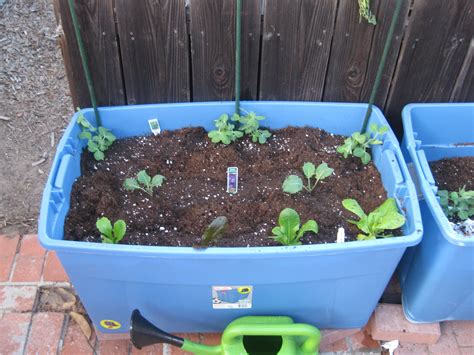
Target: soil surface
{"points": [[194, 192], [453, 173], [34, 108]]}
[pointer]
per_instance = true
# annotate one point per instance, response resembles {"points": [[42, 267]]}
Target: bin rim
{"points": [[413, 146], [62, 245]]}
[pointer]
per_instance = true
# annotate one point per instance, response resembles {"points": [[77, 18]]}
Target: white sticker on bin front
{"points": [[232, 297]]}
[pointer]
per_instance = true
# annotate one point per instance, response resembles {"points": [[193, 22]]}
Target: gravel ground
{"points": [[34, 107]]}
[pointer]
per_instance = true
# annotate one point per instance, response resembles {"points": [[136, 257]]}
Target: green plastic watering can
{"points": [[245, 335]]}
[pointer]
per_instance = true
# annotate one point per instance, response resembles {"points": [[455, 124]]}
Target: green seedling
{"points": [[225, 132], [143, 182], [358, 143], [98, 139], [250, 125], [457, 203], [214, 231], [289, 231], [294, 184], [385, 217], [364, 12], [107, 233]]}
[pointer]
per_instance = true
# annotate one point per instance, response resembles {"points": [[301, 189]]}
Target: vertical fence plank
{"points": [[97, 24], [464, 88], [349, 53], [154, 48], [432, 54], [295, 49], [384, 19], [213, 49]]}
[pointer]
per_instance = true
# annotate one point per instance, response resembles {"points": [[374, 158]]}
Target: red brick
{"points": [[464, 332], [331, 336], [363, 340], [339, 345], [17, 298], [30, 246], [75, 342], [45, 333], [412, 349], [211, 338], [113, 347], [28, 268], [8, 244], [156, 349], [447, 344], [13, 332], [389, 323], [467, 351], [6, 263], [53, 270]]}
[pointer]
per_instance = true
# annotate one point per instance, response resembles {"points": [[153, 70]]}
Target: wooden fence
{"points": [[149, 51]]}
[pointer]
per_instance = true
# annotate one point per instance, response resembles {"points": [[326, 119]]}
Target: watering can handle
{"points": [[233, 333]]}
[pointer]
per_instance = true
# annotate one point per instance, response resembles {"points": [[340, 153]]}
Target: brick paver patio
{"points": [[26, 268]]}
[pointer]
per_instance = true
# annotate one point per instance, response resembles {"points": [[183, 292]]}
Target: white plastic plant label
{"points": [[232, 297], [154, 126]]}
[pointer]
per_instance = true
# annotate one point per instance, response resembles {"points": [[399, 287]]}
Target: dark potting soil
{"points": [[194, 192], [453, 173]]}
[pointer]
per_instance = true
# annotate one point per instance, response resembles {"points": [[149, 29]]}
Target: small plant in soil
{"points": [[290, 231], [143, 182], [98, 139], [214, 231], [225, 132], [458, 204], [294, 184], [228, 132], [358, 143], [109, 234], [385, 217]]}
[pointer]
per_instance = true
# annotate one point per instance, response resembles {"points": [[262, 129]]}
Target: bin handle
{"points": [[233, 333]]}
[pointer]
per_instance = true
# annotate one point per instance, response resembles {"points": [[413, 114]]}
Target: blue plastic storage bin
{"points": [[437, 276], [328, 285]]}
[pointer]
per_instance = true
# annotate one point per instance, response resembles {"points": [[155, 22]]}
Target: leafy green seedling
{"points": [[364, 12], [457, 203], [214, 231], [358, 143], [384, 217], [143, 182], [294, 184], [289, 231], [98, 139], [108, 234], [225, 132], [250, 125]]}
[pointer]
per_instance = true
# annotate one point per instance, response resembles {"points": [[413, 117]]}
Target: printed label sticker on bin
{"points": [[232, 297]]}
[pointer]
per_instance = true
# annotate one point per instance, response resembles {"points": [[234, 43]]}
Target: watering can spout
{"points": [[144, 333]]}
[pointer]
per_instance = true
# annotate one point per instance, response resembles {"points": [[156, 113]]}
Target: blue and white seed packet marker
{"points": [[154, 126], [232, 180]]}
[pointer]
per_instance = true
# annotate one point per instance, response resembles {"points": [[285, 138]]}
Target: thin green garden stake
{"points": [[378, 77], [238, 36], [85, 65]]}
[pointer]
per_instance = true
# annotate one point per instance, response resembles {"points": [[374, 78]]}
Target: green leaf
{"points": [[365, 158], [373, 127], [120, 227], [131, 184], [98, 155], [263, 136], [105, 227], [106, 240], [143, 178], [323, 171], [214, 231], [359, 152], [309, 226], [309, 169], [292, 184], [157, 180], [353, 206], [92, 146], [359, 138], [289, 222], [85, 135]]}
